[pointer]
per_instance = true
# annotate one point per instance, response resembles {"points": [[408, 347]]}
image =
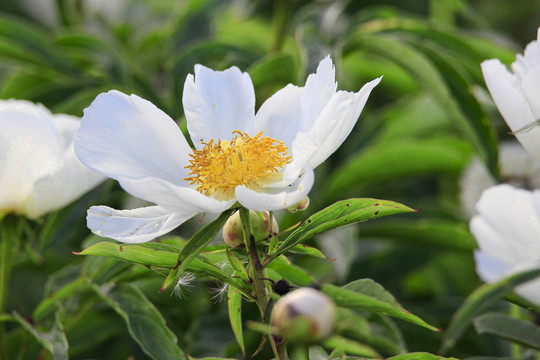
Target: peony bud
{"points": [[305, 315], [260, 227], [299, 206]]}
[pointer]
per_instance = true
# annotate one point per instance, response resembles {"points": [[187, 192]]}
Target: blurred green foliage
{"points": [[422, 125]]}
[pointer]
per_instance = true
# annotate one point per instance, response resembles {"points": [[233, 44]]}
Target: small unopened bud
{"points": [[261, 226], [299, 206], [305, 315], [281, 287]]}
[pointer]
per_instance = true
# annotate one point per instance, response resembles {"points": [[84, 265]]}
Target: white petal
{"points": [[531, 89], [216, 103], [126, 136], [319, 89], [30, 148], [338, 119], [134, 226], [294, 109], [510, 212], [530, 290], [513, 106], [507, 230], [172, 196], [490, 269], [66, 125], [276, 199], [492, 242], [530, 59], [59, 188], [329, 131], [279, 116]]}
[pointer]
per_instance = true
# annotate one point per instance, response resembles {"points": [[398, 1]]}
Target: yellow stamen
{"points": [[220, 166]]}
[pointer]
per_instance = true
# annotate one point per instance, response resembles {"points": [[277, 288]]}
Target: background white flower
{"points": [[39, 171], [517, 93], [507, 229], [517, 167], [128, 139]]}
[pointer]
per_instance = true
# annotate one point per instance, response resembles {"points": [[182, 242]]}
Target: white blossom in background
{"points": [[517, 94], [39, 171], [263, 161], [517, 167], [507, 230]]}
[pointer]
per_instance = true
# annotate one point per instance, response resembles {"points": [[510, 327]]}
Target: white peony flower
{"points": [[517, 167], [507, 230], [39, 171], [517, 94], [264, 162]]}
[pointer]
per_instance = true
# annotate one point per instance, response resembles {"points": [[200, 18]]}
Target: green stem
{"points": [[8, 249], [257, 277]]}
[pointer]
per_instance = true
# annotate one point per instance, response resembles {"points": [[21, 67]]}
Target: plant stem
{"points": [[8, 249], [257, 274], [257, 278]]}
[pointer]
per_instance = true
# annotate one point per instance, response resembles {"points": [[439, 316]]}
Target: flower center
{"points": [[219, 167]]}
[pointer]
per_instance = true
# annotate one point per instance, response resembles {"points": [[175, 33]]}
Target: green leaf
{"points": [[205, 266], [366, 294], [298, 352], [91, 329], [237, 266], [155, 254], [6, 318], [339, 214], [521, 301], [22, 85], [53, 340], [308, 250], [480, 299], [195, 245], [391, 160], [426, 232], [350, 347], [145, 324], [510, 328], [28, 42], [462, 90], [234, 301], [149, 254], [419, 356], [291, 272], [49, 304], [429, 77], [209, 358], [377, 331], [92, 46]]}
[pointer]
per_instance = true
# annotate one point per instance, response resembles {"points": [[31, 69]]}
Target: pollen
{"points": [[222, 165]]}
